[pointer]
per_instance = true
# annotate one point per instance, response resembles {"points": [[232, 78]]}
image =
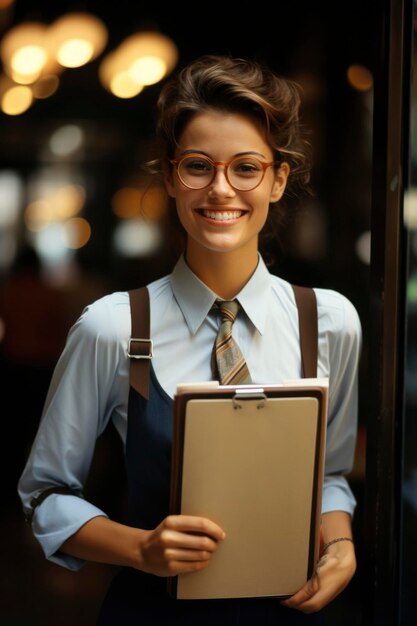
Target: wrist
{"points": [[343, 552], [138, 544], [336, 540]]}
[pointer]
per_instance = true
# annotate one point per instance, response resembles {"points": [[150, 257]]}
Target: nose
{"points": [[220, 186]]}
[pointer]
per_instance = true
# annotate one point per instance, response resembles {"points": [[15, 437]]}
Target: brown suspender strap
{"points": [[140, 353], [307, 315], [140, 349]]}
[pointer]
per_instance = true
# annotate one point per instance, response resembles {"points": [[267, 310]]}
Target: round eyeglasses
{"points": [[243, 173]]}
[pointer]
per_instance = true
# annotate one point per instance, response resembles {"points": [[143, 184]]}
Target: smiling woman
{"points": [[135, 244], [238, 122]]}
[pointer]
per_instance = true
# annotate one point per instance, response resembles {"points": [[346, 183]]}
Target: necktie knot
{"points": [[228, 309]]}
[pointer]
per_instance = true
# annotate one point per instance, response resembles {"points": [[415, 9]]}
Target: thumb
{"points": [[305, 593]]}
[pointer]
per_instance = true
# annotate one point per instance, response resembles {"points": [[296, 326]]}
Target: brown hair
{"points": [[243, 86]]}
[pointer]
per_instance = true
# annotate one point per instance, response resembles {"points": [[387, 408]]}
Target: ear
{"points": [[280, 182], [169, 186]]}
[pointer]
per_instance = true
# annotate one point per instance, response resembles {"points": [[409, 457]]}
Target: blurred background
{"points": [[78, 85]]}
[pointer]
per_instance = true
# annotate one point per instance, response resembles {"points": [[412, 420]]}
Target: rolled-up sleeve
{"points": [[80, 402], [344, 339]]}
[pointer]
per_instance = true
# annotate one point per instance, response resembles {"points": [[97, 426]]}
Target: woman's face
{"points": [[218, 218]]}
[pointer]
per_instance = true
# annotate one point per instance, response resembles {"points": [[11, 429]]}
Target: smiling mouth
{"points": [[221, 216]]}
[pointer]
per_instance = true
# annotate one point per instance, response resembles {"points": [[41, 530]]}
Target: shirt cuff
{"points": [[57, 519], [337, 495]]}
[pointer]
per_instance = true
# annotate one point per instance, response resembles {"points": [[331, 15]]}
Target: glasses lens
{"points": [[245, 173], [196, 171]]}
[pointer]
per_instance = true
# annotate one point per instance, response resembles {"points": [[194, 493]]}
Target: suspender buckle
{"points": [[140, 348]]}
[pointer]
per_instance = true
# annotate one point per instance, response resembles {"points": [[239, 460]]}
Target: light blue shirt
{"points": [[90, 384]]}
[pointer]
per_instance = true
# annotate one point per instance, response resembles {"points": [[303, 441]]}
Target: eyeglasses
{"points": [[243, 173]]}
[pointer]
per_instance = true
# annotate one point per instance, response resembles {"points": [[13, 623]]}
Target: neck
{"points": [[224, 273]]}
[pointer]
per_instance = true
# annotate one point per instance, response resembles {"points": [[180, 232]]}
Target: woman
{"points": [[232, 153]]}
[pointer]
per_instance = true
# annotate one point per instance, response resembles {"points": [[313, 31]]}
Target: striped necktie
{"points": [[231, 365]]}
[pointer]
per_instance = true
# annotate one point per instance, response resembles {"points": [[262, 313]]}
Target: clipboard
{"points": [[251, 458]]}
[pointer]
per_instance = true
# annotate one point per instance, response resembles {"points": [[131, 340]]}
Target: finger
{"points": [[302, 596], [313, 596], [185, 567], [187, 555], [190, 541], [198, 525]]}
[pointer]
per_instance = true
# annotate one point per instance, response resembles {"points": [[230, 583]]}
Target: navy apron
{"points": [[137, 598]]}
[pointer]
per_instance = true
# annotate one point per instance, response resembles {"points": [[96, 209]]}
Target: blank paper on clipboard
{"points": [[251, 459]]}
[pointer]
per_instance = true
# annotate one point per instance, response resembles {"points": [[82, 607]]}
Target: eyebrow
{"points": [[247, 153]]}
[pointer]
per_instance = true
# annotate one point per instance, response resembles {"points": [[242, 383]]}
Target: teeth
{"points": [[222, 215]]}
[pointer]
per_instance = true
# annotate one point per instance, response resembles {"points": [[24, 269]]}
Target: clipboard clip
{"points": [[249, 394]]}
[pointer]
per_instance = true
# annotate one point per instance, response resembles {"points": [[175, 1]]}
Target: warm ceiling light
{"points": [[144, 50], [28, 60], [116, 78], [123, 86], [141, 59], [148, 70], [24, 52], [68, 200], [359, 77], [75, 53], [77, 38], [16, 100], [38, 214], [126, 202], [45, 87], [77, 232]]}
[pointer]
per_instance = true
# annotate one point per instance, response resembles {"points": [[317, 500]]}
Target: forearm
{"points": [[105, 541], [336, 524], [178, 544]]}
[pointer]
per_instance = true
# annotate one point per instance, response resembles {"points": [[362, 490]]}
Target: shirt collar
{"points": [[195, 299]]}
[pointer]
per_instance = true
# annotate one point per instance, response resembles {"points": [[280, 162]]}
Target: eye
{"points": [[196, 166], [246, 167]]}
